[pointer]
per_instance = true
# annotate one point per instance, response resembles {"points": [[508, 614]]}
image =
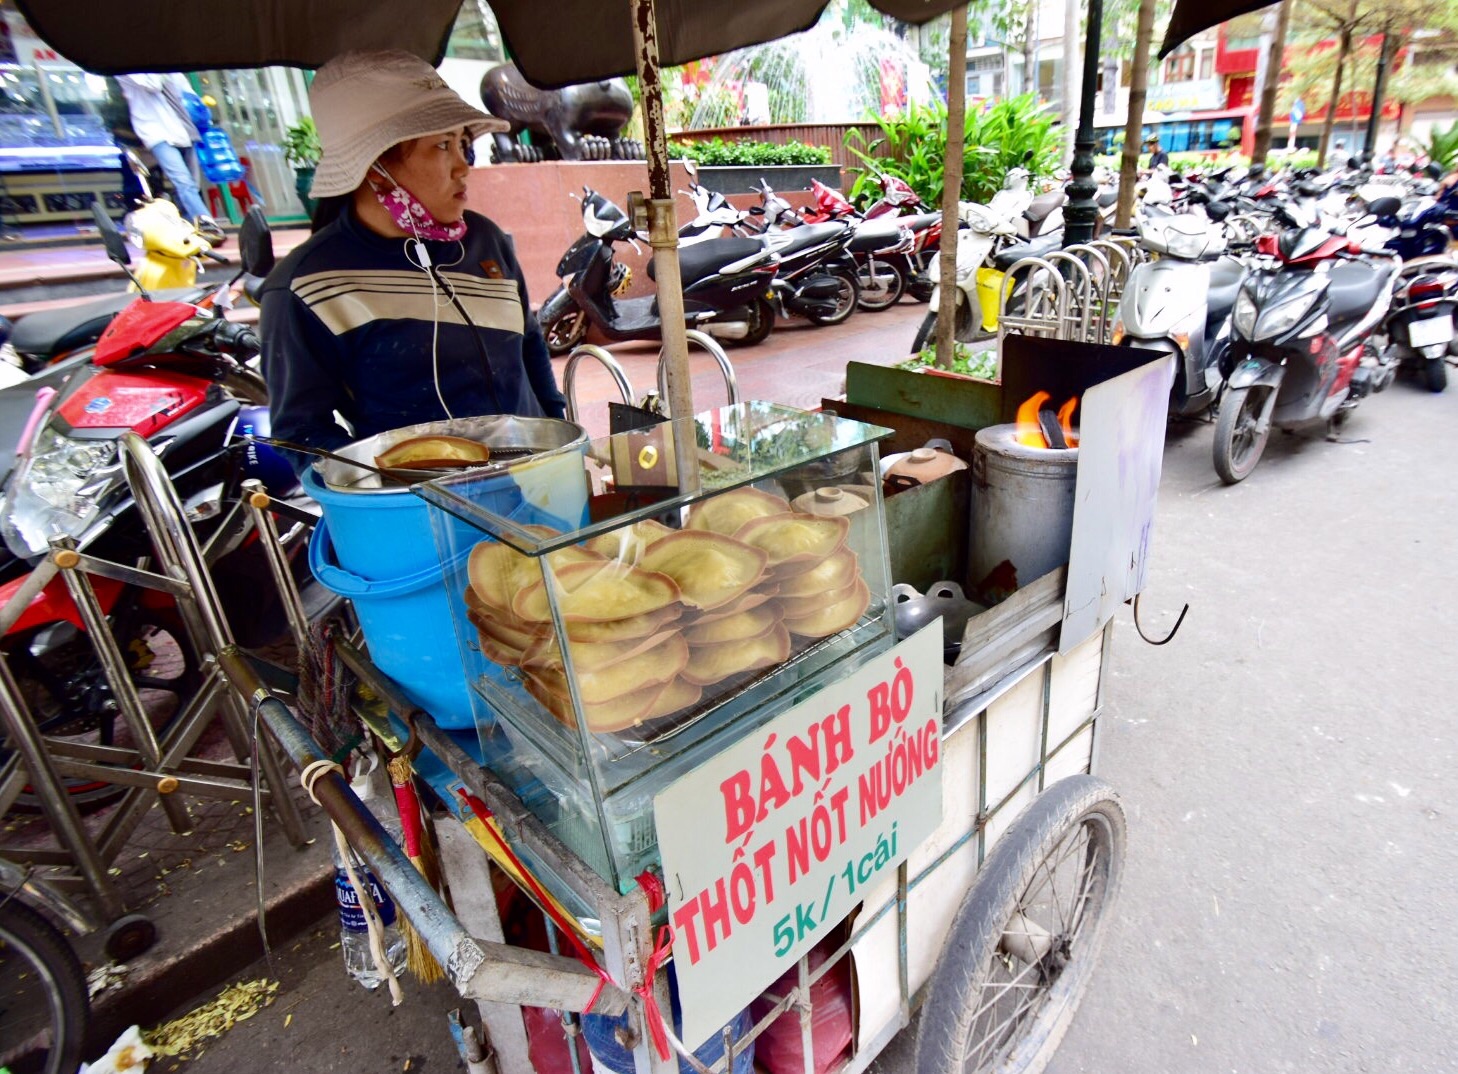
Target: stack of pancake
{"points": [[655, 617]]}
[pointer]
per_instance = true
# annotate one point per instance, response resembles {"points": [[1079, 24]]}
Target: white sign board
{"points": [[774, 840], [1120, 457]]}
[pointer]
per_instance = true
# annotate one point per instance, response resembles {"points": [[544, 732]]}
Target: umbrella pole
{"points": [[663, 237]]}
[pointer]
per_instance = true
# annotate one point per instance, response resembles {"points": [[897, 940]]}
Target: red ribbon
{"points": [[653, 889], [651, 1012]]}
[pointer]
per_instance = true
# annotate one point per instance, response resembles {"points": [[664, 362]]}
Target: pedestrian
{"points": [[1157, 155], [161, 123], [402, 307]]}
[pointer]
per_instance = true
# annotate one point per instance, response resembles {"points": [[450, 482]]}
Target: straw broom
{"points": [[418, 959]]}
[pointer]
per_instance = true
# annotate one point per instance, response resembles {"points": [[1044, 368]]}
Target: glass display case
{"points": [[621, 614]]}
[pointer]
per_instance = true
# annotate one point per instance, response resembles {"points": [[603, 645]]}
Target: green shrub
{"points": [[1442, 146], [719, 154], [981, 364], [1010, 133]]}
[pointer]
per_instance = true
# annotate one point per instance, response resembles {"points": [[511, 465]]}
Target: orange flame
{"points": [[1065, 419], [1029, 432]]}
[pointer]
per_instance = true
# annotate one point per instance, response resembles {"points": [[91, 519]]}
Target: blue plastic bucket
{"points": [[408, 624], [379, 535]]}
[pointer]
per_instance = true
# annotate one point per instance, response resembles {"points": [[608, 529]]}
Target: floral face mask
{"points": [[411, 216]]}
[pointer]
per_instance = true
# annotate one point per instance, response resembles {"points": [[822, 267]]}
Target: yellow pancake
{"points": [[616, 715], [711, 570], [591, 655], [433, 452], [498, 653], [636, 626], [498, 572], [598, 591], [628, 543], [834, 617], [795, 538], [676, 696], [800, 607], [709, 664], [729, 512], [750, 624], [652, 668], [753, 599], [837, 572]]}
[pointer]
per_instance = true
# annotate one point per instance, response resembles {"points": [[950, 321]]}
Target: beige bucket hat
{"points": [[366, 102]]}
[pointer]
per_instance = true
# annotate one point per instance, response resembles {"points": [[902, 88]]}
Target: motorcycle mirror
{"points": [[692, 167], [255, 243], [111, 238]]}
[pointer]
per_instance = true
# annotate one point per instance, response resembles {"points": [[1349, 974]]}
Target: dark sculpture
{"points": [[576, 123]]}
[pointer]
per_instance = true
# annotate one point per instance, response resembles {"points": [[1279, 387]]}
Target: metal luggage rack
{"points": [[158, 769], [1071, 294]]}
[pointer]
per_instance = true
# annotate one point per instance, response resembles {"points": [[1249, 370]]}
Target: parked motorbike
{"points": [[183, 377], [725, 283], [1419, 327], [1181, 303], [173, 251], [1301, 352]]}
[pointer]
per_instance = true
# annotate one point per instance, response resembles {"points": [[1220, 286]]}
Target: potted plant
{"points": [[301, 150]]}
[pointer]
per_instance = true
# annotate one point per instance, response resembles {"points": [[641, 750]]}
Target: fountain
{"points": [[827, 74]]}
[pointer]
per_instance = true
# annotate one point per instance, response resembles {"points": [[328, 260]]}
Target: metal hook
{"points": [[1168, 637]]}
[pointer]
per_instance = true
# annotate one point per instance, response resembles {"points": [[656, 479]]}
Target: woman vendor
{"points": [[402, 307]]}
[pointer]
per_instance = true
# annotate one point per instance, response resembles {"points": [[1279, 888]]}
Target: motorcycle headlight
{"points": [[58, 490], [1183, 245], [1245, 314], [1284, 317]]}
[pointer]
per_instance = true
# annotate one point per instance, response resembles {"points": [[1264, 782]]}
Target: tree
{"points": [[1273, 80], [1351, 20], [1134, 125]]}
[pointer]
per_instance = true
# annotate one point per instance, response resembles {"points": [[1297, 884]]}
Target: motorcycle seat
{"points": [[1355, 288], [1225, 277], [1043, 244], [872, 235], [804, 237], [48, 333], [1107, 196], [1039, 208], [703, 259], [917, 221]]}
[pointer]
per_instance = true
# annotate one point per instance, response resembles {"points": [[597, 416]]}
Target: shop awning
{"points": [[1189, 17]]}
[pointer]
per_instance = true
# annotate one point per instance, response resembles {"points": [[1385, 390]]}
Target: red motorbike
{"points": [[182, 376]]}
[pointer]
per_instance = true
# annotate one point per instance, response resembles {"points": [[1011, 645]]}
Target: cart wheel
{"points": [[1026, 938], [129, 936]]}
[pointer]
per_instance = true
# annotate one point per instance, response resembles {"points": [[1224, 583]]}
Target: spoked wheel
{"points": [[1025, 941], [1240, 433], [69, 697], [565, 332], [845, 300], [882, 283], [43, 1004]]}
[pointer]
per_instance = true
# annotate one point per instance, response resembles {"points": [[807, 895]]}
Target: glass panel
{"points": [[614, 628], [255, 108]]}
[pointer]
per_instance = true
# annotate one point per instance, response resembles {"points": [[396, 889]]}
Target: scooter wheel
{"points": [[880, 289], [845, 303]]}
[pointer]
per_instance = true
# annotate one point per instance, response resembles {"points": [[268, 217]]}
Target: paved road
{"points": [[1286, 763]]}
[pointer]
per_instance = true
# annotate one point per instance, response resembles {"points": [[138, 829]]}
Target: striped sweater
{"points": [[347, 322]]}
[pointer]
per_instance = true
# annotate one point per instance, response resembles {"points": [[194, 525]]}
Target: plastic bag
{"points": [[778, 1049]]}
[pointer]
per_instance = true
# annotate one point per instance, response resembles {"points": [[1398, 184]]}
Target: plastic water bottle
{"points": [[354, 936]]}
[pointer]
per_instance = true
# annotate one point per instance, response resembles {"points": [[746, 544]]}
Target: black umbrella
{"points": [[1191, 16]]}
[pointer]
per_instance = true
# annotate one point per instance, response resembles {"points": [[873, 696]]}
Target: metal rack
{"points": [[1071, 294]]}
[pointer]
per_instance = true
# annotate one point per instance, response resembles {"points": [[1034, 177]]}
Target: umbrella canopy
{"points": [[1191, 16], [554, 42]]}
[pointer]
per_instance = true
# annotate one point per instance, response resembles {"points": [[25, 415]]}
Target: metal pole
{"points": [[118, 677], [663, 237], [478, 969], [53, 797], [278, 564], [1081, 213]]}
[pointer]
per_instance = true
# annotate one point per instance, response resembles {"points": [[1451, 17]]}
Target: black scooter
{"points": [[725, 284]]}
